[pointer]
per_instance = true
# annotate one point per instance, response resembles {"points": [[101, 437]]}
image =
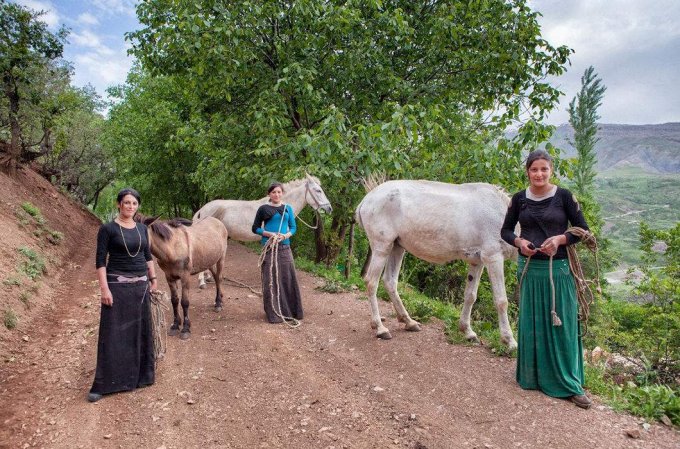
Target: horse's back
{"points": [[435, 221], [236, 215]]}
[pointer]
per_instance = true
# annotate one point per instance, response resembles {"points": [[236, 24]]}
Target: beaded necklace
{"points": [[125, 244]]}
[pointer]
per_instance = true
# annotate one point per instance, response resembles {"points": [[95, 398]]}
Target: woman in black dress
{"points": [[125, 355]]}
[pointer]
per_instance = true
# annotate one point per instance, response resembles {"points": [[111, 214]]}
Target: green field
{"points": [[629, 196]]}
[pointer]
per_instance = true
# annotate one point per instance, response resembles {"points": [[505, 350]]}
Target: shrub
{"points": [[12, 281], [34, 266], [33, 211], [55, 237], [11, 319]]}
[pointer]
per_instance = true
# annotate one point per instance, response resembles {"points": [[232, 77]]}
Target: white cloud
{"points": [[101, 70], [87, 19], [116, 6]]}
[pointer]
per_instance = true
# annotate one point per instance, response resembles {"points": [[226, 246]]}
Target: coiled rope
{"points": [[583, 292], [159, 304]]}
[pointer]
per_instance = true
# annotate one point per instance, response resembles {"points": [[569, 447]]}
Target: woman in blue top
{"points": [[275, 222]]}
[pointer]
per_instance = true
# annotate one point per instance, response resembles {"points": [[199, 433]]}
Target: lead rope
{"points": [[555, 318], [272, 246], [159, 300], [583, 292]]}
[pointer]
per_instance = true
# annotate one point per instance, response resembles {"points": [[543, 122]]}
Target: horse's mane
{"points": [[295, 183], [373, 180], [162, 228]]}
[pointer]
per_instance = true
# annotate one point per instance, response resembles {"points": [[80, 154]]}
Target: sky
{"points": [[634, 46]]}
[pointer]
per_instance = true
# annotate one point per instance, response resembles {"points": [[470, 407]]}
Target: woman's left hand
{"points": [[551, 245], [154, 285]]}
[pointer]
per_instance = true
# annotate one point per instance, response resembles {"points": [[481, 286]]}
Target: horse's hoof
{"points": [[385, 335], [185, 335], [172, 332], [414, 327], [201, 286], [218, 308], [474, 340]]}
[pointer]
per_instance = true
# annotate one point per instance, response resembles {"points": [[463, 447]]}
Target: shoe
{"points": [[581, 400], [94, 397]]}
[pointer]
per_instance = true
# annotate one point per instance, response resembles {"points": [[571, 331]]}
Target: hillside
{"points": [[653, 148], [240, 382]]}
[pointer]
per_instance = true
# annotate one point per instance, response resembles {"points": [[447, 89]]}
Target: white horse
{"points": [[238, 215], [438, 223]]}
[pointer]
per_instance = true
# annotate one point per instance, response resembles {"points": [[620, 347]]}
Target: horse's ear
{"points": [[150, 220]]}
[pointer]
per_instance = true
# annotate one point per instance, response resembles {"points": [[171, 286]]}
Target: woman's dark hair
{"points": [[274, 185], [128, 191], [536, 155]]}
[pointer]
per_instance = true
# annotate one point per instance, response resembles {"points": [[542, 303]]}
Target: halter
{"points": [[311, 193], [318, 205]]}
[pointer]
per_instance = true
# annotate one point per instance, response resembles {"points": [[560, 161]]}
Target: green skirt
{"points": [[549, 358]]}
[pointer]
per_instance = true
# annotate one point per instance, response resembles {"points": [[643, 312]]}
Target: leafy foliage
{"points": [[268, 90]]}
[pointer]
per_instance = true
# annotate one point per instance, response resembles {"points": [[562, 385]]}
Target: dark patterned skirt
{"points": [[125, 356], [288, 302]]}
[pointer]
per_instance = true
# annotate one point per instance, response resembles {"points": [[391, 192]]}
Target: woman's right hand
{"points": [[107, 297], [527, 248]]}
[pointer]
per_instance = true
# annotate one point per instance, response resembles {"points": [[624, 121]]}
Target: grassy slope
{"points": [[630, 195]]}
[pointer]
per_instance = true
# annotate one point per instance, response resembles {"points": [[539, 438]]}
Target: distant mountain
{"points": [[653, 148]]}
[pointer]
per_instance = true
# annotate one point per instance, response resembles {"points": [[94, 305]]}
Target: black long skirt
{"points": [[125, 356], [289, 301]]}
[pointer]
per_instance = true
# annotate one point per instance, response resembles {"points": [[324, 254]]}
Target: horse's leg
{"points": [[390, 280], [186, 326], [471, 286], [217, 275], [174, 297], [372, 277], [500, 298], [201, 280]]}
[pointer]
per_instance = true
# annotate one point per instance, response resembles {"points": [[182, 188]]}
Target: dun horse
{"points": [[182, 251], [238, 215], [438, 223]]}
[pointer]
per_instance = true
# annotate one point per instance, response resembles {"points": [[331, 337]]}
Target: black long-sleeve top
{"points": [[110, 241], [539, 220]]}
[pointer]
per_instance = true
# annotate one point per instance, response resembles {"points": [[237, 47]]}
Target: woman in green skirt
{"points": [[550, 356]]}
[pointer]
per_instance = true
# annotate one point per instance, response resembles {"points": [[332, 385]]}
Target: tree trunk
{"points": [[350, 250], [366, 262], [321, 250], [10, 160]]}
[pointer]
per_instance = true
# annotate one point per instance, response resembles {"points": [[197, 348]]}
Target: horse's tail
{"points": [[357, 215], [373, 180]]}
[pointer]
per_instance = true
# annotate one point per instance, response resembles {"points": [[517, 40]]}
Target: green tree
{"points": [[343, 89], [78, 162], [583, 118], [26, 49], [146, 135], [660, 286]]}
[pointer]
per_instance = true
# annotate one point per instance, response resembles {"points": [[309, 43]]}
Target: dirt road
{"points": [[242, 383]]}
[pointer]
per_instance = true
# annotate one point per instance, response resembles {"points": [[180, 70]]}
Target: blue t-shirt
{"points": [[275, 219]]}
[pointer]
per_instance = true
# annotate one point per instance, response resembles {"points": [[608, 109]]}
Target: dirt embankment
{"points": [[239, 382]]}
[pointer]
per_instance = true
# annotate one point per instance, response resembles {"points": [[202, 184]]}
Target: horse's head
{"points": [[315, 195]]}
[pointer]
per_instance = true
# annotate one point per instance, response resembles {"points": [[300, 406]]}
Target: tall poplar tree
{"points": [[583, 118]]}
